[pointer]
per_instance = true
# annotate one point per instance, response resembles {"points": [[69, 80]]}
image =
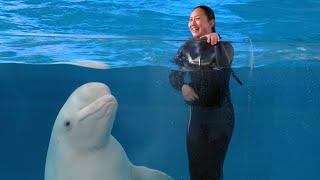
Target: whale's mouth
{"points": [[96, 106]]}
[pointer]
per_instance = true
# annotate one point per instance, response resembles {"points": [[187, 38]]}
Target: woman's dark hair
{"points": [[209, 13]]}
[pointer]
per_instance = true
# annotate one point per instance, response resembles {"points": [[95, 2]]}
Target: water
{"points": [[275, 136], [288, 31], [277, 58]]}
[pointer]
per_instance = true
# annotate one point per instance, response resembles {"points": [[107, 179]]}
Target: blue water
{"points": [[276, 56], [283, 30]]}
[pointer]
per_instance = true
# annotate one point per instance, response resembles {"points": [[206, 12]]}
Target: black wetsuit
{"points": [[212, 115]]}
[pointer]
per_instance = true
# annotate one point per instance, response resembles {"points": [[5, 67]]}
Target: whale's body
{"points": [[81, 145]]}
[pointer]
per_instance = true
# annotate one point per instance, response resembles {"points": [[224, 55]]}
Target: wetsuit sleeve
{"points": [[228, 54], [176, 77], [228, 51]]}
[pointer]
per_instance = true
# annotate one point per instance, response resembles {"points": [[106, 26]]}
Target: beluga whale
{"points": [[81, 145]]}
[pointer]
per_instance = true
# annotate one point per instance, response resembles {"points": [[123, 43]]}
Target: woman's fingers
{"points": [[212, 38], [196, 96], [193, 96], [188, 93]]}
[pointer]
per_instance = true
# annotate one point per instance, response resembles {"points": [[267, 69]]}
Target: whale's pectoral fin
{"points": [[144, 173]]}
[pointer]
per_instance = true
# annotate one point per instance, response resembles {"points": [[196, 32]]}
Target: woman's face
{"points": [[199, 23]]}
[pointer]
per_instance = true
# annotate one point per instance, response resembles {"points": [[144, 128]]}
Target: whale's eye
{"points": [[67, 123]]}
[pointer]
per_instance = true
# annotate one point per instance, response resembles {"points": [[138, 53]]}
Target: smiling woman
{"points": [[207, 92], [202, 24]]}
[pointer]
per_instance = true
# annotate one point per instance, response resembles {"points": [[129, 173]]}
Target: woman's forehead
{"points": [[197, 12]]}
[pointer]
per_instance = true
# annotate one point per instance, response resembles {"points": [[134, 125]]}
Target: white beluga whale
{"points": [[81, 145]]}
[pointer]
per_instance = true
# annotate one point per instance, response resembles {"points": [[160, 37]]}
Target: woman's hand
{"points": [[212, 38], [188, 93]]}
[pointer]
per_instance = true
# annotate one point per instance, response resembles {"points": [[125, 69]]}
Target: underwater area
{"points": [[49, 48]]}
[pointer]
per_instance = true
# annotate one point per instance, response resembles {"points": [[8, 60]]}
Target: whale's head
{"points": [[86, 119]]}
